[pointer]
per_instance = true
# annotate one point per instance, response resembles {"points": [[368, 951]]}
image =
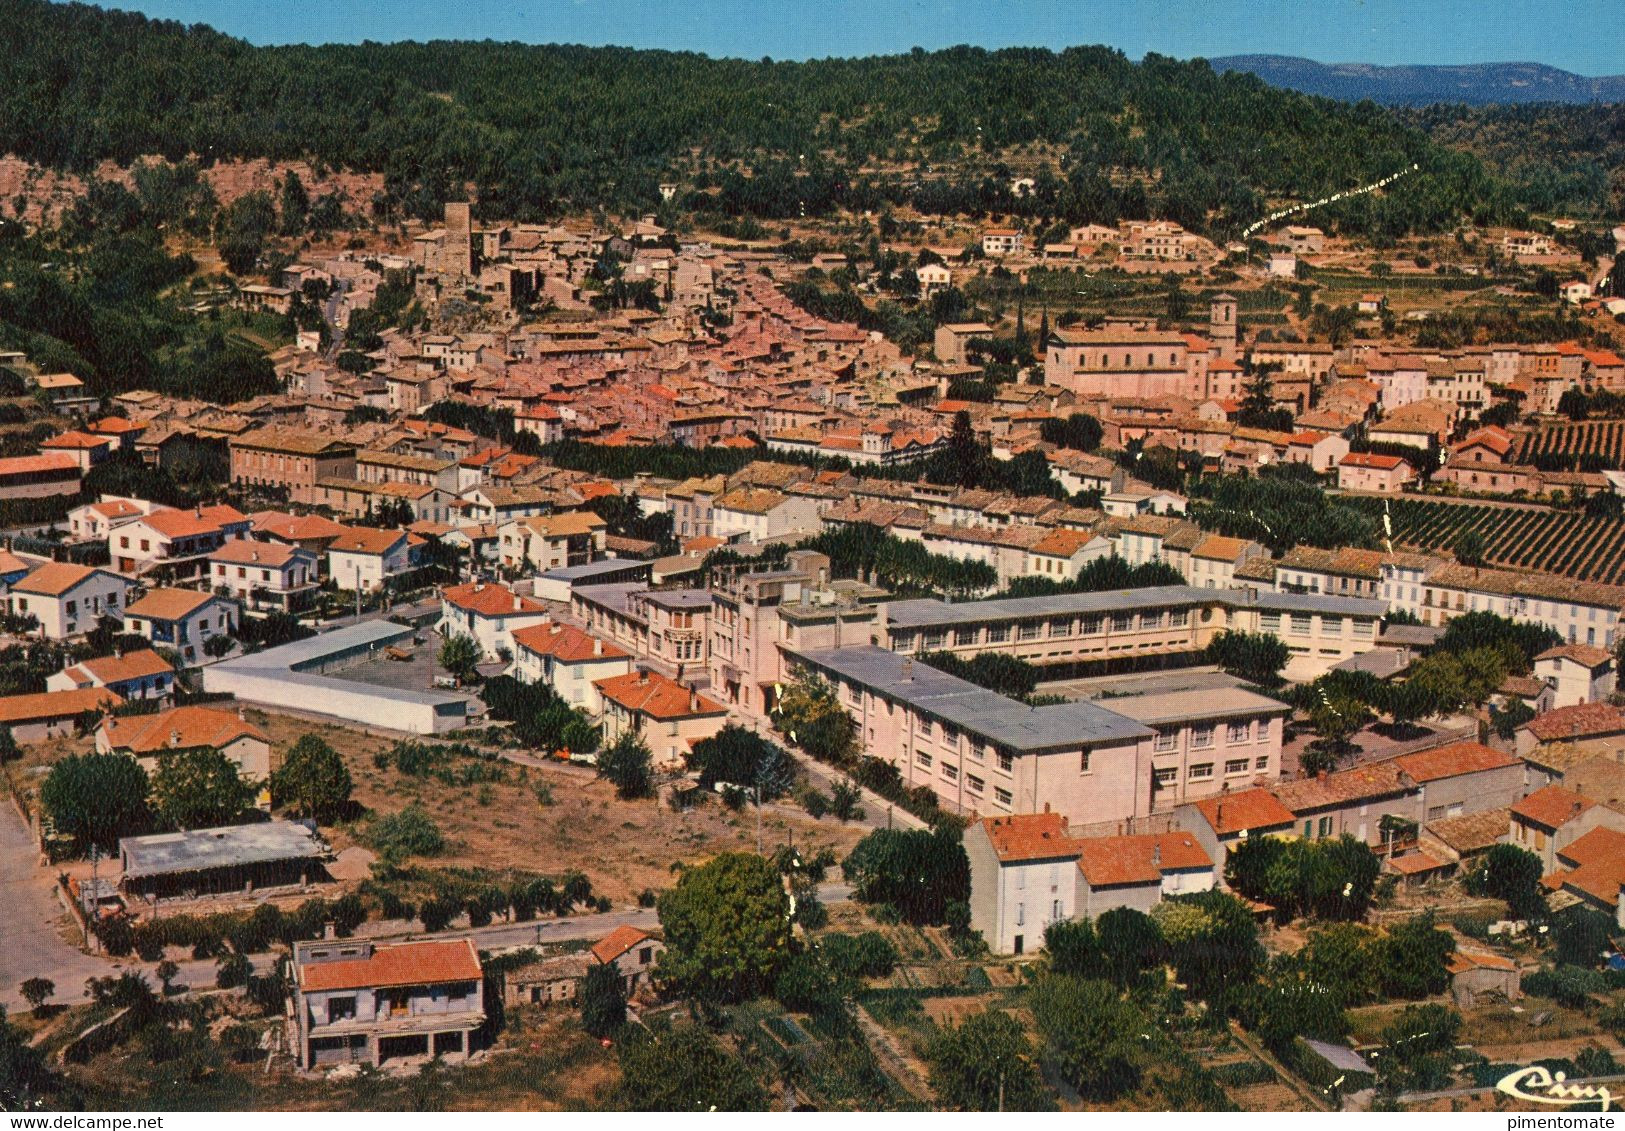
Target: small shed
{"points": [[1474, 975], [547, 980], [235, 857]]}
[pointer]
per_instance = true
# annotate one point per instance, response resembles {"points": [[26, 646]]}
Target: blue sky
{"points": [[1577, 35]]}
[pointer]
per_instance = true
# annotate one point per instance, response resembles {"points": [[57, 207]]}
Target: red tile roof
{"points": [[566, 643], [1453, 760], [1370, 459], [366, 540], [1109, 860], [1030, 836], [490, 600], [178, 728], [618, 942], [53, 579], [1598, 871], [131, 665], [168, 604], [1553, 807], [187, 523], [1583, 654], [55, 704], [1579, 721], [1463, 961], [296, 528], [398, 964], [248, 551], [1250, 809], [655, 695]]}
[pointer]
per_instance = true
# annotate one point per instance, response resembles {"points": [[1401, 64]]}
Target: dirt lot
{"points": [[623, 846]]}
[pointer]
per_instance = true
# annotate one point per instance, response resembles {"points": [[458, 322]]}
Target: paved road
{"points": [[31, 944]]}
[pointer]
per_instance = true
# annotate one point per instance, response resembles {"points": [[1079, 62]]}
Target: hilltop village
{"points": [[1129, 573]]}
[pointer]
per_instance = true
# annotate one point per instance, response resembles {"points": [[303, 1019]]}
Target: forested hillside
{"points": [[1568, 157], [543, 129]]}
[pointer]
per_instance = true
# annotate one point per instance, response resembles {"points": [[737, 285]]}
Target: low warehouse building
{"points": [[301, 674], [236, 857]]}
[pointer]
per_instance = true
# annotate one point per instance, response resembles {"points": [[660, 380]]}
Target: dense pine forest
{"points": [[541, 130]]}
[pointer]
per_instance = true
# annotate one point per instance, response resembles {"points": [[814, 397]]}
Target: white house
{"points": [[132, 675], [553, 541], [68, 599], [182, 619], [1577, 673], [365, 558], [490, 613], [568, 660], [264, 571], [1023, 878], [180, 541], [757, 513]]}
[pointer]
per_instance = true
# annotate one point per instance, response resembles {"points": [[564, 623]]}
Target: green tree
{"points": [[1418, 1049], [1582, 936], [295, 204], [1345, 958], [603, 1000], [1131, 944], [745, 758], [917, 871], [36, 992], [1414, 954], [1213, 943], [628, 766], [8, 746], [460, 655], [684, 1068], [1513, 874], [96, 798], [1072, 947], [814, 719], [409, 832], [986, 1064], [199, 788], [25, 1078], [1090, 1035], [727, 928], [1256, 657], [312, 781]]}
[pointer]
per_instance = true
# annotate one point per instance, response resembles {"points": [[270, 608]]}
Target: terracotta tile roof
{"points": [[1462, 961], [1453, 760], [566, 643], [1583, 720], [1250, 809], [168, 604], [489, 600], [1030, 836], [1472, 832], [1597, 863], [1063, 543], [1359, 783], [11, 563], [1371, 460], [1414, 864], [186, 726], [116, 426], [188, 523], [296, 528], [618, 942], [366, 540], [1109, 860], [298, 441], [131, 665], [1552, 807], [247, 551], [53, 579], [1584, 654], [653, 694], [396, 964], [73, 440], [55, 704], [1216, 547], [565, 523]]}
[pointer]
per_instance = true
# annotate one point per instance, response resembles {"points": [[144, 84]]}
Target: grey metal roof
{"points": [[284, 661], [229, 847], [609, 567], [1064, 726], [1207, 703], [932, 613]]}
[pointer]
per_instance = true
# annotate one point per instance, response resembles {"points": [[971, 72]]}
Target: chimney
{"points": [[1321, 776], [518, 602], [330, 930], [597, 645], [643, 675], [693, 701], [174, 738], [1218, 815], [908, 671], [1046, 806], [1156, 854], [242, 715], [254, 554]]}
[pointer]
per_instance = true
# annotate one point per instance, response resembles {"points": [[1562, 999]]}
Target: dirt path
{"points": [[1303, 1091], [898, 1062]]}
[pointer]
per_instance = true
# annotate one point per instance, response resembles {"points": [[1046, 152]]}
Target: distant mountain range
{"points": [[1475, 84]]}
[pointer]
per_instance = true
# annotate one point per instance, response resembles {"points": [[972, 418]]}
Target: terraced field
{"points": [[1566, 543], [1598, 443]]}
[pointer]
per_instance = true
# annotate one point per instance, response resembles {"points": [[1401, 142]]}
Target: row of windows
{"points": [[1203, 771], [1054, 628], [1202, 736]]}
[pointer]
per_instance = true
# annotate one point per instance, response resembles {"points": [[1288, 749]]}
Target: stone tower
{"points": [[1221, 325]]}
